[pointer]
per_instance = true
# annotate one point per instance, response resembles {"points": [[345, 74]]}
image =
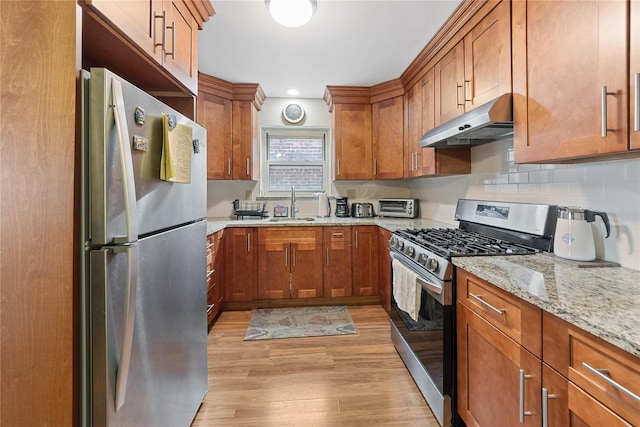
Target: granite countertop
{"points": [[604, 301], [391, 224]]}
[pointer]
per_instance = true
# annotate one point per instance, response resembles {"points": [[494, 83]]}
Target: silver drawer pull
{"points": [[209, 273], [483, 302], [522, 412], [209, 246], [545, 406], [603, 375]]}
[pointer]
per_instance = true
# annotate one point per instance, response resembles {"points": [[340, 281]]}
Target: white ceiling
{"points": [[346, 43]]}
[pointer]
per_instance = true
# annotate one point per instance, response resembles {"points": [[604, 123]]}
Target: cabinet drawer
{"points": [[289, 235], [516, 318], [337, 234], [599, 368], [589, 411]]}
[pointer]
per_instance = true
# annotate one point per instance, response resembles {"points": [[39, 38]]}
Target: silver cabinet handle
{"points": [[522, 412], [636, 103], [248, 242], [210, 245], [467, 84], [356, 239], [604, 95], [173, 40], [375, 167], [602, 374], [286, 257], [229, 166], [545, 406], [417, 160], [293, 256], [209, 273], [413, 160], [486, 304], [122, 375], [458, 87], [338, 167], [126, 161], [163, 43], [327, 257]]}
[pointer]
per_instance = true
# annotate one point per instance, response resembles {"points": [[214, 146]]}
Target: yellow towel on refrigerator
{"points": [[406, 290]]}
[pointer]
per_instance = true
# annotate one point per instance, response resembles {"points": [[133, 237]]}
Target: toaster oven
{"points": [[398, 208]]}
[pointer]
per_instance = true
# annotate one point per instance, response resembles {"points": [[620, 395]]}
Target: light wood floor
{"points": [[349, 380]]}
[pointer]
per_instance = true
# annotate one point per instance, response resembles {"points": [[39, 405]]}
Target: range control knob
{"points": [[410, 251], [422, 259], [400, 245], [393, 241], [432, 264]]}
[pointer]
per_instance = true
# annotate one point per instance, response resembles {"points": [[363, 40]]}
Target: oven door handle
{"points": [[430, 286]]}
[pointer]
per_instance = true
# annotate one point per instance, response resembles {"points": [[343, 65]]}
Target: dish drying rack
{"points": [[242, 208]]}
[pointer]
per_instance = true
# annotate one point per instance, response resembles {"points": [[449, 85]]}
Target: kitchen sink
{"points": [[306, 218]]}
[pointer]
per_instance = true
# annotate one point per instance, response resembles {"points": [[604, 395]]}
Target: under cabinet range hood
{"points": [[489, 122]]}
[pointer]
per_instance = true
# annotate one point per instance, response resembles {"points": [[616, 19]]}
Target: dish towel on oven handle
{"points": [[406, 290]]}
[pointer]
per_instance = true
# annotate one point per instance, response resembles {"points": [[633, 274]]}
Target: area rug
{"points": [[272, 323]]}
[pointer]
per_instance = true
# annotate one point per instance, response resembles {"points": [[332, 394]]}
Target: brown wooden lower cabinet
{"points": [[215, 273], [578, 379], [241, 264], [289, 262], [337, 280], [364, 239], [384, 269]]}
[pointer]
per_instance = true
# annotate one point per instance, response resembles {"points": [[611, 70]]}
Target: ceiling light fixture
{"points": [[291, 13], [293, 92]]}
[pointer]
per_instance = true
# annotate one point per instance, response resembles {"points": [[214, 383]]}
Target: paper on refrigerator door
{"points": [[176, 152]]}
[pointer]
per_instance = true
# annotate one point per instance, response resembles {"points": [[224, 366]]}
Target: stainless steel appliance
{"points": [[427, 344], [342, 207], [143, 268], [362, 210], [489, 122], [398, 208]]}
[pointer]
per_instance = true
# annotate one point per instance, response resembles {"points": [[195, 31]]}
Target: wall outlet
{"points": [[351, 194], [247, 195]]}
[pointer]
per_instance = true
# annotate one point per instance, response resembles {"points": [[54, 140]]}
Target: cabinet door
{"points": [[140, 21], [490, 366], [181, 40], [487, 58], [241, 264], [274, 280], [364, 239], [413, 129], [337, 262], [565, 54], [353, 149], [449, 85], [384, 269], [634, 58], [306, 270], [425, 161], [387, 139], [245, 140], [215, 114]]}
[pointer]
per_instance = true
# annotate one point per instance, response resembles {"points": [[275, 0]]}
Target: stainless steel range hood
{"points": [[489, 122]]}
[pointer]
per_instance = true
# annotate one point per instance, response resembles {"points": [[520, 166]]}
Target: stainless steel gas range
{"points": [[423, 321]]}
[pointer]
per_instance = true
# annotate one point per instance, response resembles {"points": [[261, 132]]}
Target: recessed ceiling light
{"points": [[293, 92], [291, 13]]}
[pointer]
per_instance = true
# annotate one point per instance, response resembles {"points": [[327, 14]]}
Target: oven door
{"points": [[426, 345]]}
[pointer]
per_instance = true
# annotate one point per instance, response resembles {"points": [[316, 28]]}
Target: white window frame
{"points": [[289, 132]]}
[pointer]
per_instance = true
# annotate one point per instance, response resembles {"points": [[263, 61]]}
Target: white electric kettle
{"points": [[574, 239]]}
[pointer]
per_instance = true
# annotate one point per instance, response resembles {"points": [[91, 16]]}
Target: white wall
{"points": [[611, 186]]}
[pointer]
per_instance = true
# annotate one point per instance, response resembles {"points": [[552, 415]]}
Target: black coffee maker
{"points": [[342, 207]]}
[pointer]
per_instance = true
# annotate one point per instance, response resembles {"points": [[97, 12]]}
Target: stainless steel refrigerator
{"points": [[143, 270]]}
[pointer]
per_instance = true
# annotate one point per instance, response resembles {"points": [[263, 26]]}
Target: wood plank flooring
{"points": [[348, 380]]}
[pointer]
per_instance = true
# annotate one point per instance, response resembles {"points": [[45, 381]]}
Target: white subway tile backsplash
{"points": [[607, 171], [519, 178], [526, 167], [528, 188], [576, 174], [541, 176]]}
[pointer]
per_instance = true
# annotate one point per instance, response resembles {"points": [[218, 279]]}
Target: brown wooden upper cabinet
{"points": [[571, 93], [229, 111], [477, 69], [387, 135], [352, 141], [164, 30], [634, 74]]}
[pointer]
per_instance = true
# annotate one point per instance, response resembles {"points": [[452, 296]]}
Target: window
{"points": [[294, 157]]}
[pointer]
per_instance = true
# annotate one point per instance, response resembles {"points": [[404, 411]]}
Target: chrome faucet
{"points": [[293, 201]]}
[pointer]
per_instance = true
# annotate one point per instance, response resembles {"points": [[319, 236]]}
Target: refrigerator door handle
{"points": [[129, 321], [128, 183]]}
